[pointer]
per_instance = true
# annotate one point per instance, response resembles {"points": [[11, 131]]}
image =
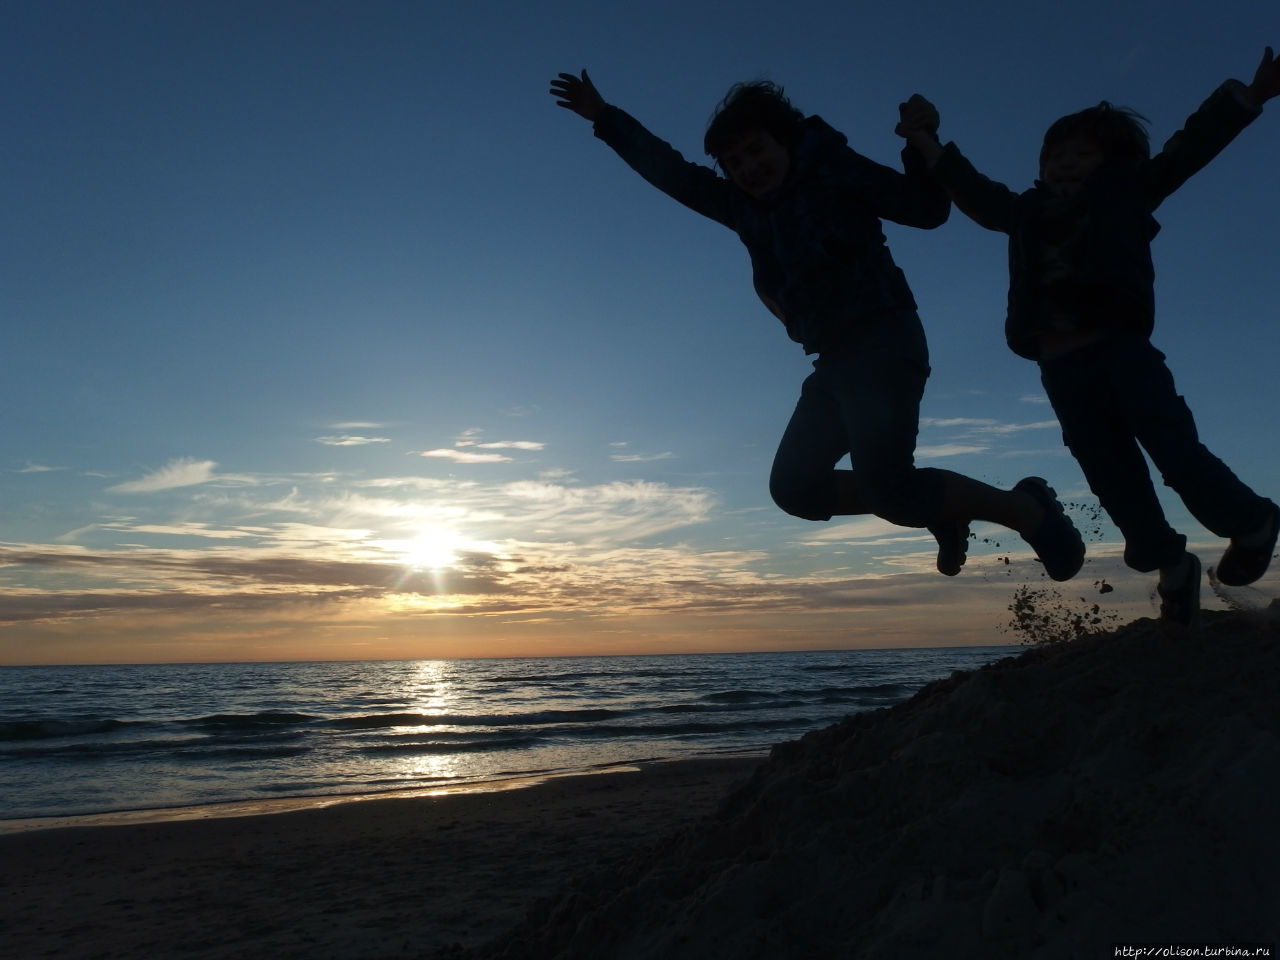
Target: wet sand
{"points": [[367, 879]]}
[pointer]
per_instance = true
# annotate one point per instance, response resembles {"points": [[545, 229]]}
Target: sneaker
{"points": [[953, 544], [1181, 604], [1242, 564], [1057, 543]]}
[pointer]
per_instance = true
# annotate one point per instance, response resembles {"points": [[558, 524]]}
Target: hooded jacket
{"points": [[816, 245], [1083, 262]]}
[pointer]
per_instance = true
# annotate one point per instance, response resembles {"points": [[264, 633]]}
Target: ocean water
{"points": [[94, 739]]}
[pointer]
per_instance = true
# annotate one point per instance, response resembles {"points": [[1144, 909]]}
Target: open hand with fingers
{"points": [[1266, 79], [578, 94]]}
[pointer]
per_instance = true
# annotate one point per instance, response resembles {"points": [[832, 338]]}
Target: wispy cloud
{"points": [[184, 472], [350, 440], [199, 529], [977, 425], [967, 436], [1005, 429], [465, 456], [939, 450], [37, 468], [503, 444], [866, 530], [641, 457], [948, 422], [464, 449]]}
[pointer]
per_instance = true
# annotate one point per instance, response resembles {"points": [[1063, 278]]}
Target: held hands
{"points": [[917, 115], [578, 94], [918, 125], [1266, 80]]}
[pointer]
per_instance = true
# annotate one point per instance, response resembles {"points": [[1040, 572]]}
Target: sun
{"points": [[429, 550]]}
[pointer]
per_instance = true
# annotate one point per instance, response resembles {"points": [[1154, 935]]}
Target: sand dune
{"points": [[1120, 789]]}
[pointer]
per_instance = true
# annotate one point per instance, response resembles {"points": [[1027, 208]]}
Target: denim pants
{"points": [[1116, 398], [862, 399]]}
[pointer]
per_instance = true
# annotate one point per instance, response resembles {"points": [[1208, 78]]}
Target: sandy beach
{"points": [[358, 880]]}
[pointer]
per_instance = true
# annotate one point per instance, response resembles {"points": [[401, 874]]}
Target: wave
{"points": [[219, 722], [378, 721], [16, 730], [741, 696], [431, 747], [577, 678]]}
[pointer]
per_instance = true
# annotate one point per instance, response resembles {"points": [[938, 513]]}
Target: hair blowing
{"points": [[755, 105], [1121, 133]]}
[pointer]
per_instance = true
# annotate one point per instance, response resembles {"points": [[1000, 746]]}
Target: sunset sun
{"points": [[430, 550]]}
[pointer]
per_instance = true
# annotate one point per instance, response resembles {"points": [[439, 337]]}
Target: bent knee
{"points": [[806, 501]]}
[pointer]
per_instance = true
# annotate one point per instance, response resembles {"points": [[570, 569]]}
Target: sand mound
{"points": [[1121, 788]]}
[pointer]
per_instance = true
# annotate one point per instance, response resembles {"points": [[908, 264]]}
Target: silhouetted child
{"points": [[1082, 304], [808, 209]]}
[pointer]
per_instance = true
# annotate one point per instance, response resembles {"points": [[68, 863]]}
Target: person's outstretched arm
{"points": [[696, 186], [1229, 109]]}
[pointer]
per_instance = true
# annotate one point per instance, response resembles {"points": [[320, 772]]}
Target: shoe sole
{"points": [[1047, 497], [1248, 575]]}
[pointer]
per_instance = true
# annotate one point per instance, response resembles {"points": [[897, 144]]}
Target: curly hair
{"points": [[1121, 133], [754, 105]]}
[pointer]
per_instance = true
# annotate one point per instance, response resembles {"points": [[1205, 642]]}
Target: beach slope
{"points": [[1118, 789]]}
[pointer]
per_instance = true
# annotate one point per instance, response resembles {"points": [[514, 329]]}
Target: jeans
{"points": [[1116, 396], [862, 399]]}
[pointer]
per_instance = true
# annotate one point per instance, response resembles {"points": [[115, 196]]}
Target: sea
{"points": [[80, 740]]}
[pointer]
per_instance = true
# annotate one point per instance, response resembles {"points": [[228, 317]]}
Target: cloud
{"points": [[943, 422], [614, 512], [347, 440], [464, 456], [1010, 428], [183, 472], [204, 530], [949, 449], [556, 473], [504, 444], [973, 435], [640, 457], [37, 468], [866, 530], [463, 450]]}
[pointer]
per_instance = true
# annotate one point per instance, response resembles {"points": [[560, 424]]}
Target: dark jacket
{"points": [[816, 245], [1084, 262]]}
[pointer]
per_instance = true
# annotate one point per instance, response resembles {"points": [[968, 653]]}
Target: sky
{"points": [[328, 336]]}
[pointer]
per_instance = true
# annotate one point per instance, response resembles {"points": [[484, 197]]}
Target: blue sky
{"points": [[328, 335]]}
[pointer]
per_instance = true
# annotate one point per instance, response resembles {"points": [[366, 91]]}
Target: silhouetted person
{"points": [[808, 208], [1082, 304]]}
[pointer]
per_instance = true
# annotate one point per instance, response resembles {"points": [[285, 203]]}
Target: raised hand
{"points": [[1266, 79], [578, 94]]}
